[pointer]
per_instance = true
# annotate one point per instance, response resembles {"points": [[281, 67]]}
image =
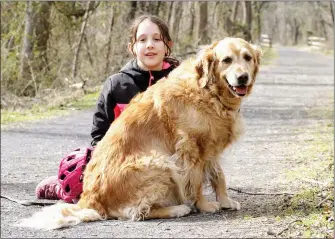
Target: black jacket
{"points": [[121, 88]]}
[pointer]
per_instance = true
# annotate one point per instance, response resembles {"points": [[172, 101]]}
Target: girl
{"points": [[150, 44]]}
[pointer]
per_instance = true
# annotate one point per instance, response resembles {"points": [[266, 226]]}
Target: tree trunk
{"points": [[141, 7], [192, 19], [170, 12], [109, 43], [249, 16], [234, 11], [28, 45], [321, 20], [231, 20], [258, 20], [175, 20], [296, 31], [82, 32], [331, 5], [158, 5], [42, 32], [203, 27], [247, 20], [258, 11], [132, 12]]}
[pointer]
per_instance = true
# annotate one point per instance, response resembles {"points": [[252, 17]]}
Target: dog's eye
{"points": [[227, 60], [247, 57]]}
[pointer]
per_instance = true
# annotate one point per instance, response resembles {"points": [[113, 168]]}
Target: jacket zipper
{"points": [[151, 78]]}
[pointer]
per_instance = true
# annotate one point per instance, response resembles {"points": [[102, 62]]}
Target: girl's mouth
{"points": [[150, 54]]}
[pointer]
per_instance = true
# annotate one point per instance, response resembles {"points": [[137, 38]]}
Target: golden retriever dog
{"points": [[156, 157]]}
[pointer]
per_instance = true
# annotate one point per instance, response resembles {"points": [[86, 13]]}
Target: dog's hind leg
{"points": [[169, 212]]}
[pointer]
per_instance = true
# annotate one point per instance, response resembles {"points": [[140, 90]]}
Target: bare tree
{"points": [[54, 55], [175, 20], [247, 20], [192, 20], [331, 8], [27, 49], [42, 32], [169, 12], [258, 7], [109, 42], [230, 19], [321, 20], [133, 6], [35, 45], [203, 26], [75, 9], [82, 32]]}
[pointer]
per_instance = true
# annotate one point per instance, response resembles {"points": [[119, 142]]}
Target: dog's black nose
{"points": [[243, 79]]}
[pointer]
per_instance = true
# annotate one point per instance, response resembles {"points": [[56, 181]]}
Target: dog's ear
{"points": [[205, 63], [259, 53]]}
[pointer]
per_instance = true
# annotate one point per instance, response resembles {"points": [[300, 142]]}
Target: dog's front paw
{"points": [[205, 206], [229, 203], [180, 211]]}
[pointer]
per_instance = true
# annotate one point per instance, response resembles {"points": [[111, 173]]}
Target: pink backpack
{"points": [[72, 166]]}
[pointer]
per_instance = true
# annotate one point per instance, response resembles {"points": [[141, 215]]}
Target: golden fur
{"points": [[155, 157]]}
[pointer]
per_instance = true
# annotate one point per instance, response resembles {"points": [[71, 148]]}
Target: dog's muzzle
{"points": [[241, 87]]}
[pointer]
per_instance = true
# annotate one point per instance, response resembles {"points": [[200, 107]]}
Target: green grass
{"points": [[86, 102], [312, 170], [269, 54], [329, 52], [40, 111]]}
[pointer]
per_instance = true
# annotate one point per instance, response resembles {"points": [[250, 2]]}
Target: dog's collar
{"points": [[218, 98]]}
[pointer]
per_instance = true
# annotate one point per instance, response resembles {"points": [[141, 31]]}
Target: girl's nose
{"points": [[150, 44]]}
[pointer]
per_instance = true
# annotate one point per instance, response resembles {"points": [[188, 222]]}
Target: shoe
{"points": [[49, 188]]}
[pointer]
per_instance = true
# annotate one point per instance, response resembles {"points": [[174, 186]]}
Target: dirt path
{"points": [[284, 91]]}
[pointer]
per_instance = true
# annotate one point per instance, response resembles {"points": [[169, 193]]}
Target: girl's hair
{"points": [[163, 28]]}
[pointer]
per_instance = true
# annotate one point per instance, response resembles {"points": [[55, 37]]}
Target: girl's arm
{"points": [[104, 112]]}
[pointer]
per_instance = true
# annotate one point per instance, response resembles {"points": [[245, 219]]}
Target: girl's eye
{"points": [[141, 40], [158, 39], [227, 60]]}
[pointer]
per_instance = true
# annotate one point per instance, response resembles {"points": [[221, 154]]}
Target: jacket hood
{"points": [[131, 68], [141, 76]]}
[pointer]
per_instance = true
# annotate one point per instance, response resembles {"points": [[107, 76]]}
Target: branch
{"points": [[88, 50], [324, 200], [83, 26], [109, 43], [286, 228], [249, 193], [33, 79], [27, 202]]}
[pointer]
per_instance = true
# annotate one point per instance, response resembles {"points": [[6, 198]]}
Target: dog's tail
{"points": [[60, 215]]}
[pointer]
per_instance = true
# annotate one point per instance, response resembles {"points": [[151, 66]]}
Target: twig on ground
{"points": [[324, 200], [312, 181], [27, 202], [159, 223], [288, 226], [249, 193]]}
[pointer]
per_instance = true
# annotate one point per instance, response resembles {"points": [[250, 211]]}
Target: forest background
{"points": [[54, 51]]}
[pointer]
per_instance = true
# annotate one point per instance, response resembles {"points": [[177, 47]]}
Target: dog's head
{"points": [[231, 63]]}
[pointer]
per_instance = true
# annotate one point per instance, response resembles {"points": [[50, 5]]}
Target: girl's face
{"points": [[149, 47]]}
